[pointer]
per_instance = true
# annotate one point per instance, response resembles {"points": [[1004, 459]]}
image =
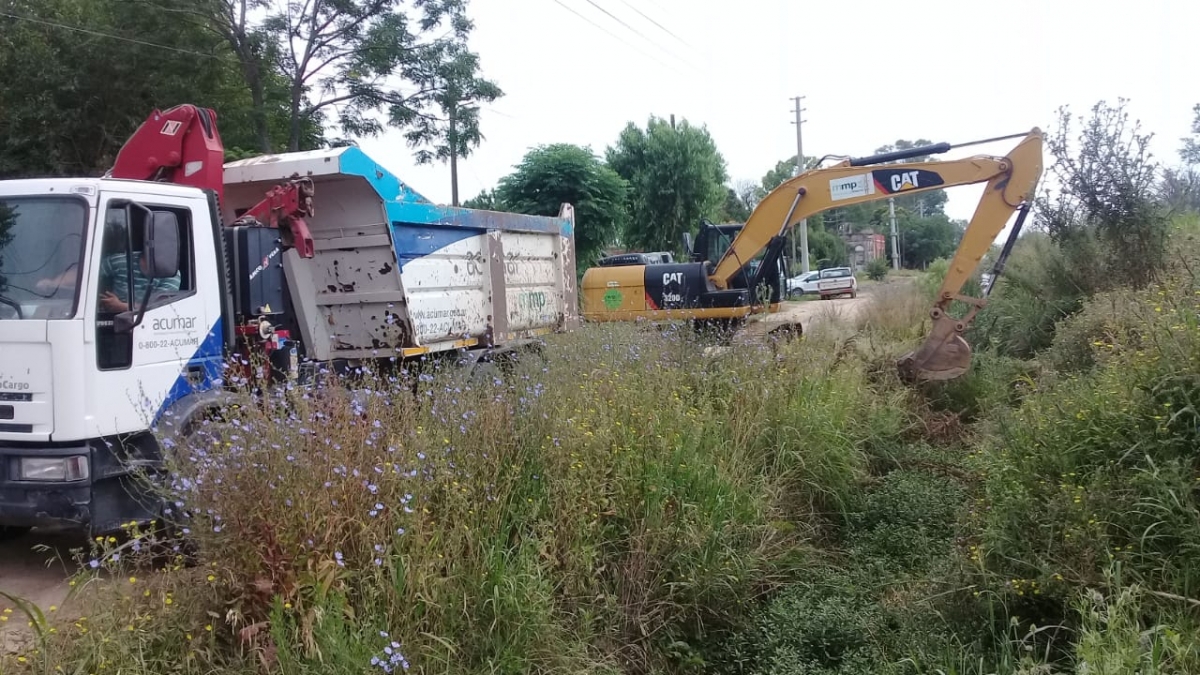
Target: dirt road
{"points": [[811, 312], [35, 568]]}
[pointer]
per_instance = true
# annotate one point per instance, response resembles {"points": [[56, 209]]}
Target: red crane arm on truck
{"points": [[182, 145]]}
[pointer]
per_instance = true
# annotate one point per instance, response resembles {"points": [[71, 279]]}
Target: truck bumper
{"points": [[100, 503]]}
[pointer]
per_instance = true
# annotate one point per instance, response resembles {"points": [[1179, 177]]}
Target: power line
{"points": [[664, 28], [614, 35], [110, 36], [502, 114], [636, 31]]}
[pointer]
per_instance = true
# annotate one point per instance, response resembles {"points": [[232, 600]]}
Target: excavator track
{"points": [[768, 329]]}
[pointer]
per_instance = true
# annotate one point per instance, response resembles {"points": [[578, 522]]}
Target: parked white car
{"points": [[803, 284]]}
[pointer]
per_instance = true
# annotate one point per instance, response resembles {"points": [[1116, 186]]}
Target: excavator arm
{"points": [[1010, 184], [182, 145]]}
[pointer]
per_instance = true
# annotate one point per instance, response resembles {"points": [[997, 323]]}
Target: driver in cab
{"points": [[114, 281]]}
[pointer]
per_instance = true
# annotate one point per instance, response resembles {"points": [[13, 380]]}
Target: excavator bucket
{"points": [[944, 355]]}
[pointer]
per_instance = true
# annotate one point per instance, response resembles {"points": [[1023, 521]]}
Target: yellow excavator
{"points": [[736, 272]]}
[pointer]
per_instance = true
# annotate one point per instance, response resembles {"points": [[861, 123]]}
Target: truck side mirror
{"points": [[161, 247]]}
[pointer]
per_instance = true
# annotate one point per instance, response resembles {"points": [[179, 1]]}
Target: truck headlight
{"points": [[58, 469]]}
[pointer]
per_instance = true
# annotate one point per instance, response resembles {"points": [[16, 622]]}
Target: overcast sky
{"points": [[872, 72]]}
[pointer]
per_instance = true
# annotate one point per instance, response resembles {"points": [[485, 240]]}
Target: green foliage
{"points": [[550, 175], [877, 269], [274, 74], [825, 249], [1190, 150], [460, 91], [784, 170], [485, 200], [736, 208], [1100, 467], [350, 56], [835, 619], [45, 130], [923, 240], [902, 519], [1115, 637], [1038, 288], [676, 177], [1105, 218]]}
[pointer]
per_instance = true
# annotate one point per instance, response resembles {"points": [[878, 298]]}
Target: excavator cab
{"points": [[711, 243]]}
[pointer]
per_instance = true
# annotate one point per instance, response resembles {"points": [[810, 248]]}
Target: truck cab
{"points": [[85, 365]]}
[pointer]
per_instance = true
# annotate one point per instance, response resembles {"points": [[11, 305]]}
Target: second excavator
{"points": [[729, 284]]}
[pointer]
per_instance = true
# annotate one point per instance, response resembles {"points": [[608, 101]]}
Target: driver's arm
{"points": [[67, 278]]}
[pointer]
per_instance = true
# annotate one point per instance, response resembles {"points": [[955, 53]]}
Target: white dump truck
{"points": [[123, 299]]}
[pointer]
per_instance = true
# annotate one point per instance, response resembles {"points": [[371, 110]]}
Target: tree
{"points": [[748, 192], [1179, 189], [923, 240], [1191, 146], [784, 170], [736, 208], [453, 136], [8, 218], [342, 57], [552, 174], [73, 98], [485, 200], [1105, 216], [825, 249], [676, 177]]}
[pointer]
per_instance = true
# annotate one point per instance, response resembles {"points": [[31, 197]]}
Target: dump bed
{"points": [[394, 272]]}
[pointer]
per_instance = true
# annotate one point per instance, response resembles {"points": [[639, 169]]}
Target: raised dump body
{"points": [[394, 272]]}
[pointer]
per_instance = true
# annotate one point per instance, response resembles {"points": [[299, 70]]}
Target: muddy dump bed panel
{"points": [[396, 274]]}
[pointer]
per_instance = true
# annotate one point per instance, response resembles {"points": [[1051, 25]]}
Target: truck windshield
{"points": [[41, 244]]}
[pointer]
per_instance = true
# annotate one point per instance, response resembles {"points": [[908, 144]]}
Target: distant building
{"points": [[873, 246]]}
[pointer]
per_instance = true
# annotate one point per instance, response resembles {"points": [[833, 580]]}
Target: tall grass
{"points": [[609, 508]]}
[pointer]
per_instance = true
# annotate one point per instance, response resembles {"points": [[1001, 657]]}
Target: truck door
{"points": [[139, 372]]}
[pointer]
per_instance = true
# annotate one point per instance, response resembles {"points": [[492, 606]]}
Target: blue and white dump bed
{"points": [[396, 273]]}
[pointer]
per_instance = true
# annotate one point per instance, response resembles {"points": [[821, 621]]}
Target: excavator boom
{"points": [[1010, 184]]}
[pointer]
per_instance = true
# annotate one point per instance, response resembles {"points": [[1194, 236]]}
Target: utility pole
{"points": [[799, 170], [895, 236]]}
